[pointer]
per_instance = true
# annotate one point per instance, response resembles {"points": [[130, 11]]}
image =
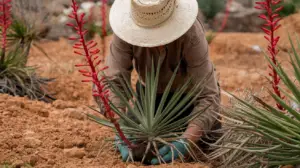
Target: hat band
{"points": [[150, 19]]}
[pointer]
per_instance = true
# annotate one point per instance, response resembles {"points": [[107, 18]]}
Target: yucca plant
{"points": [[150, 128], [259, 134], [16, 78]]}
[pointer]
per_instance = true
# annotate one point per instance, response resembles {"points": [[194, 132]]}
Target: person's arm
{"points": [[199, 66], [119, 61]]}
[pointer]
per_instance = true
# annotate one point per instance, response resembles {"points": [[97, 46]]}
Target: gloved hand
{"points": [[166, 152], [122, 147]]}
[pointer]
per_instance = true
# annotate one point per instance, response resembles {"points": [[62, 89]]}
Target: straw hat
{"points": [[151, 23]]}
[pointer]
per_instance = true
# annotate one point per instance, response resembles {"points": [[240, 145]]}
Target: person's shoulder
{"points": [[195, 34]]}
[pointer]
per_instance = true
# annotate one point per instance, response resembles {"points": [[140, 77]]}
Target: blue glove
{"points": [[122, 148], [166, 152]]}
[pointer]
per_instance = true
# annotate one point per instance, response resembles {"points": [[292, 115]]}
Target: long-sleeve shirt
{"points": [[192, 47]]}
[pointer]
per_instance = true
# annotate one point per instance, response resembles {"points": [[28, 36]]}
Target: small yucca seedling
{"points": [[259, 134]]}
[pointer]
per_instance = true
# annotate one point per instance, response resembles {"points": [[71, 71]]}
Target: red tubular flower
{"points": [[5, 22], [92, 61], [224, 22], [272, 18]]}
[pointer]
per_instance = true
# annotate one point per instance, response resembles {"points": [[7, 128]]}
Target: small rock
{"points": [[79, 142], [39, 111], [256, 48], [28, 150], [7, 113], [32, 142], [29, 132], [75, 153], [43, 113], [74, 113], [51, 162], [17, 135]]}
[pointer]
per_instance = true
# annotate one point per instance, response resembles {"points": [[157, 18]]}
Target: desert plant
{"points": [[15, 77], [27, 30], [272, 24], [259, 134], [289, 8], [211, 8], [146, 128], [149, 127]]}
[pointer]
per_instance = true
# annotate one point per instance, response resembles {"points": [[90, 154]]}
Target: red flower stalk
{"points": [[224, 22], [5, 22], [272, 24], [103, 14], [91, 60]]}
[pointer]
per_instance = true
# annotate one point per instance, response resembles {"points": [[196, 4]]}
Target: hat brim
{"points": [[182, 19]]}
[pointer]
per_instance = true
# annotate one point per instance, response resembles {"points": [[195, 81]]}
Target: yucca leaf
{"points": [[181, 122], [294, 50], [187, 102], [288, 95], [127, 92], [279, 113], [275, 135], [296, 69], [133, 96], [256, 110], [276, 163], [101, 121], [170, 111], [124, 100], [159, 113], [288, 108]]}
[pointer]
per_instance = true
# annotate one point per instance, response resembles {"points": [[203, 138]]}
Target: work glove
{"points": [[122, 147], [166, 152]]}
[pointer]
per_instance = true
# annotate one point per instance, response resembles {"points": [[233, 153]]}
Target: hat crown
{"points": [[148, 13]]}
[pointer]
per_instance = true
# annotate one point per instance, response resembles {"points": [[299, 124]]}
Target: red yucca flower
{"points": [[92, 61], [5, 22], [272, 18]]}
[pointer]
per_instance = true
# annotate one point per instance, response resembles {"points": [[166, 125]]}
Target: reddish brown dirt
{"points": [[59, 135]]}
